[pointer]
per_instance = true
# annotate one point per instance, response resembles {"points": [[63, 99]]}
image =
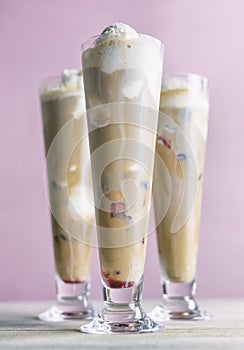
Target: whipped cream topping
{"points": [[70, 84], [116, 31]]}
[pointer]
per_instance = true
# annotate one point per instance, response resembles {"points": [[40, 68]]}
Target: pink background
{"points": [[40, 38]]}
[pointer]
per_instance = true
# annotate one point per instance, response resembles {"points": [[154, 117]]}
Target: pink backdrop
{"points": [[40, 38]]}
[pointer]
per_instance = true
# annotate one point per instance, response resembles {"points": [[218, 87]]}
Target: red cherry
{"points": [[112, 283], [166, 141], [117, 208]]}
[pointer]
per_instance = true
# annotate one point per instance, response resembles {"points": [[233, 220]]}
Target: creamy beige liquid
{"points": [[62, 104], [184, 160], [112, 74]]}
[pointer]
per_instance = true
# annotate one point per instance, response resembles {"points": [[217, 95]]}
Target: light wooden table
{"points": [[20, 329]]}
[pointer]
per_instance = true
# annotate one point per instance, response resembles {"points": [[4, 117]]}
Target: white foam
{"points": [[138, 53], [80, 108], [70, 84], [173, 83], [181, 94], [78, 200], [128, 52], [111, 62], [131, 84]]}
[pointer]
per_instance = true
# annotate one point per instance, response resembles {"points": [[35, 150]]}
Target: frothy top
{"points": [[121, 48], [117, 30], [70, 84], [172, 83], [177, 93]]}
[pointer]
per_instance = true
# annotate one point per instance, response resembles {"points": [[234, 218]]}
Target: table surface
{"points": [[20, 328]]}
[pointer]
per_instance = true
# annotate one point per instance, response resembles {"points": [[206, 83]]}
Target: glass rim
{"points": [[92, 40], [194, 79], [56, 79], [50, 79]]}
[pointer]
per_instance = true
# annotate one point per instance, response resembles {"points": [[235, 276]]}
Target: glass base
{"points": [[64, 313], [160, 314], [122, 313], [179, 304], [124, 322], [72, 303]]}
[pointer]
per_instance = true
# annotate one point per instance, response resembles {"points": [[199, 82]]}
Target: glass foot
{"points": [[161, 313], [72, 303], [179, 303], [100, 326], [122, 313], [63, 313]]}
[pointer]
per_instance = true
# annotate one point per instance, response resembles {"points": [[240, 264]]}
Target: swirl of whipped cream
{"points": [[116, 31]]}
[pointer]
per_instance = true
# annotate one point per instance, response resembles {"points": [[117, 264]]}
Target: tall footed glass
{"points": [[72, 214], [122, 89], [180, 146]]}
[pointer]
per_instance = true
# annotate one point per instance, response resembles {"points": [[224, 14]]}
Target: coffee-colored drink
{"points": [[122, 75], [181, 143], [64, 121]]}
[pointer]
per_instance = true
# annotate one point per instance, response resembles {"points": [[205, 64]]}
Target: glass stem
{"points": [[72, 293], [122, 304], [179, 296], [123, 295]]}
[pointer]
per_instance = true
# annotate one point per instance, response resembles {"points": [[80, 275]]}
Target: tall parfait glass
{"points": [[72, 214], [122, 77], [178, 188]]}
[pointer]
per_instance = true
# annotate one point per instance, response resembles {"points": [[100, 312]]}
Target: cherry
{"points": [[112, 283], [166, 141]]}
